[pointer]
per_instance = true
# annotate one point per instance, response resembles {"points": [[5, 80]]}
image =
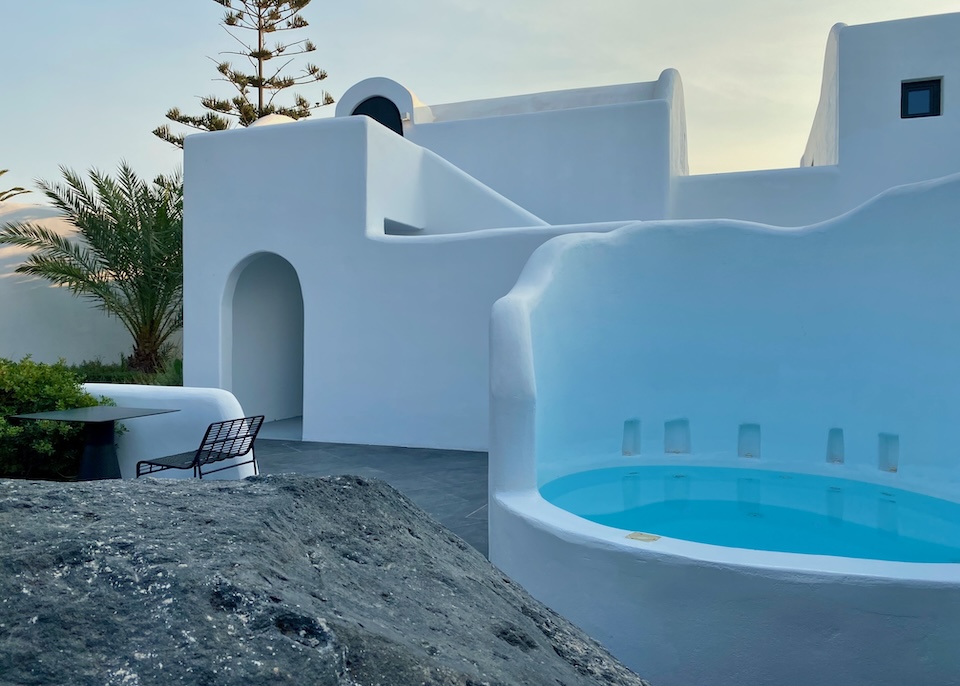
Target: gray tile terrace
{"points": [[450, 485]]}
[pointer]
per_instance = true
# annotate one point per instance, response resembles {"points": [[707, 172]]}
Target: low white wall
{"points": [[531, 103], [780, 197], [171, 433], [46, 322]]}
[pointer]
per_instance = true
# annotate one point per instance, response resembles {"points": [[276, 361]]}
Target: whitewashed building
{"points": [[352, 285]]}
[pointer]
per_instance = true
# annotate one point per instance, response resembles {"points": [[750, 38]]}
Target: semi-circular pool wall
{"points": [[675, 341]]}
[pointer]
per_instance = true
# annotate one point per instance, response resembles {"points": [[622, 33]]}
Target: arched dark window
{"points": [[381, 110]]}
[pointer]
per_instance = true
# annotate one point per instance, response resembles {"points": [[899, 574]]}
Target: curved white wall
{"points": [[697, 614], [171, 433], [837, 325], [669, 88], [407, 103], [849, 324]]}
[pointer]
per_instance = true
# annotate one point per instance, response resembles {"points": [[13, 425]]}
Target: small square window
{"points": [[920, 98]]}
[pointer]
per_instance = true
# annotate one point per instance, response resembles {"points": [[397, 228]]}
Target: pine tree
{"points": [[263, 17]]}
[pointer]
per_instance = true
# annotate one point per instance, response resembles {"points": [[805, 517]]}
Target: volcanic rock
{"points": [[270, 580]]}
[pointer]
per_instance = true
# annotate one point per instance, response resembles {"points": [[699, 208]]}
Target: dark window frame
{"points": [[933, 86]]}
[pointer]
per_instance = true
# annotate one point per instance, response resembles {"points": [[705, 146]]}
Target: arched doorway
{"points": [[266, 361], [382, 110]]}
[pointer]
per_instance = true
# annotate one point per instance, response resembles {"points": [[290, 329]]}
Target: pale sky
{"points": [[86, 81]]}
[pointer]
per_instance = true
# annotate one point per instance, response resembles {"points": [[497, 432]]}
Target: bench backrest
{"points": [[231, 438]]}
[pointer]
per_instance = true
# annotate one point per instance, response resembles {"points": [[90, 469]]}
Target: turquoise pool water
{"points": [[765, 510]]}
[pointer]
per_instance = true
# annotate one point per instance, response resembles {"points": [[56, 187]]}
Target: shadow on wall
{"points": [[266, 338]]}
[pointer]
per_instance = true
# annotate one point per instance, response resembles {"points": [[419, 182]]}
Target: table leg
{"points": [[99, 459]]}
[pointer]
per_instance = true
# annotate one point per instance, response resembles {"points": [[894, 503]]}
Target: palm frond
{"points": [[127, 254]]}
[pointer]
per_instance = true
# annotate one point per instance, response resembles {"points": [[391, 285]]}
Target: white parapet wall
{"points": [[614, 340], [172, 433], [585, 155]]}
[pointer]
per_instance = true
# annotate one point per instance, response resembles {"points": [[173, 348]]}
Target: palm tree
{"points": [[129, 256], [6, 195]]}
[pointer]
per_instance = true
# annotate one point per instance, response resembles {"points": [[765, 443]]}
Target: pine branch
{"points": [[262, 17], [163, 133]]}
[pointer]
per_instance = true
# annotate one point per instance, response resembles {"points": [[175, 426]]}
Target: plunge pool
{"points": [[765, 510]]}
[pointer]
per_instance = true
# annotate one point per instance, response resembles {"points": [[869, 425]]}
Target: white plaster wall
{"points": [[172, 433], [822, 146], [405, 362], [291, 214], [596, 96], [405, 100], [395, 327], [585, 155], [416, 187], [567, 166], [878, 149], [44, 321], [783, 197], [852, 323], [669, 88]]}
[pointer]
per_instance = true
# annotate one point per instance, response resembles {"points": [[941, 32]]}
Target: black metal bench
{"points": [[223, 440]]}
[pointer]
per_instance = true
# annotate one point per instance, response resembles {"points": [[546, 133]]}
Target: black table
{"points": [[99, 450]]}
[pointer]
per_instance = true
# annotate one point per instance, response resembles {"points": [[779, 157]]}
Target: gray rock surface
{"points": [[271, 580]]}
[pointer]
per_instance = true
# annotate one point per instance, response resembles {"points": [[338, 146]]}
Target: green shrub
{"points": [[170, 375], [95, 371], [39, 449]]}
